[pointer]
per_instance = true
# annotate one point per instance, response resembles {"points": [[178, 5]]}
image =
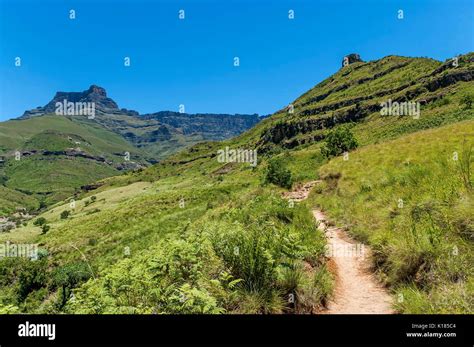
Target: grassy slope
{"points": [[10, 199], [14, 134], [178, 253], [423, 242], [55, 177], [191, 245]]}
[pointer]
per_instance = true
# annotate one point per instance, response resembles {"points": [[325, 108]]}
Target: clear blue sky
{"points": [[190, 61]]}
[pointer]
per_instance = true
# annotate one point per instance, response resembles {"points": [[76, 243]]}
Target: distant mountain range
{"points": [[61, 152], [159, 134]]}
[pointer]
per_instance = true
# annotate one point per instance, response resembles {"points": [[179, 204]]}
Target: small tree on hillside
{"points": [[338, 141], [278, 174], [69, 276]]}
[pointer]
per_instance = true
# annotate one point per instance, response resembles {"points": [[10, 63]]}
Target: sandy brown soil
{"points": [[356, 289]]}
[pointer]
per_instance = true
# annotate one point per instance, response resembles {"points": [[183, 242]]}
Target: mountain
{"points": [[389, 144], [49, 157], [159, 134], [94, 94], [80, 137]]}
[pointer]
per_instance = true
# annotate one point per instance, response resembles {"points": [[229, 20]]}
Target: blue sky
{"points": [[190, 61]]}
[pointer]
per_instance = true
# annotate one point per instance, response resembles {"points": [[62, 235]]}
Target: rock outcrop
{"points": [[350, 59], [94, 94]]}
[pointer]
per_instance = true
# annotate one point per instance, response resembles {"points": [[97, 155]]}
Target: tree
{"points": [[69, 276], [278, 174], [338, 141]]}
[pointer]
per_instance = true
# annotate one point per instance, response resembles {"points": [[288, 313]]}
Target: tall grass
{"points": [[410, 199]]}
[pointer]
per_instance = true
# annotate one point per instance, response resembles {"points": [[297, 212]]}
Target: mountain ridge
{"points": [[102, 141]]}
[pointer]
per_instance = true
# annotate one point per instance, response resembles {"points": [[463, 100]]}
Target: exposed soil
{"points": [[357, 291]]}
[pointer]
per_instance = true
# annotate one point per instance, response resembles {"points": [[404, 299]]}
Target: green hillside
{"points": [[15, 134], [410, 200], [193, 234], [57, 156]]}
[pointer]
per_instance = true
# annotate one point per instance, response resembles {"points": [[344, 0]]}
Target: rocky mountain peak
{"points": [[95, 94], [350, 59], [94, 89]]}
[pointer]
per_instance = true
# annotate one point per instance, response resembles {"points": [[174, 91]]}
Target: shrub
{"points": [[32, 276], [189, 300], [45, 228], [278, 174], [42, 204], [40, 221], [65, 214], [466, 101], [264, 244], [338, 141]]}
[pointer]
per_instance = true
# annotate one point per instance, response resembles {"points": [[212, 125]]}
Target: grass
{"points": [[179, 252], [420, 224], [10, 199]]}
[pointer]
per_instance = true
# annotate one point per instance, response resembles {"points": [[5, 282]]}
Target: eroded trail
{"points": [[356, 290]]}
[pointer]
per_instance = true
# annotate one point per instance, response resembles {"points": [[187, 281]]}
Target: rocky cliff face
{"points": [[215, 126], [160, 133], [94, 94], [350, 59]]}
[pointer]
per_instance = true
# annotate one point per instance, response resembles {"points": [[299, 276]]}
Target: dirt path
{"points": [[356, 290]]}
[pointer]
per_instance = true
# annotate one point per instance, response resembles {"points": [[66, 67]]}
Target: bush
{"points": [[45, 228], [264, 245], [189, 300], [278, 174], [65, 214], [40, 221], [466, 101], [338, 141], [32, 276], [69, 276]]}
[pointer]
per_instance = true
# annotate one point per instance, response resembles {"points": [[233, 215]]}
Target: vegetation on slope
{"points": [[180, 245], [57, 156], [412, 200], [194, 235]]}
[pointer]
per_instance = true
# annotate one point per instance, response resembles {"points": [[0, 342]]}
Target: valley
{"points": [[50, 152]]}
